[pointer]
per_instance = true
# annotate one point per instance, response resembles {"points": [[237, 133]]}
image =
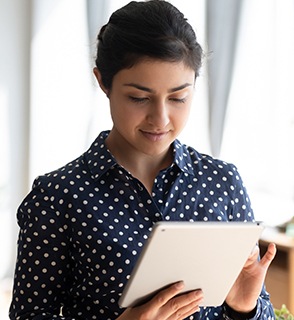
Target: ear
{"points": [[99, 80]]}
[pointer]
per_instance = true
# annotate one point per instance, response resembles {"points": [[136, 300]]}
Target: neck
{"points": [[144, 167]]}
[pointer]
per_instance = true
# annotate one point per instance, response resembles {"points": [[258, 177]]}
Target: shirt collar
{"points": [[100, 160], [183, 159], [98, 157]]}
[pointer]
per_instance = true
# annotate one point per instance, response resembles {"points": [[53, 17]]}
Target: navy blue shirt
{"points": [[83, 226]]}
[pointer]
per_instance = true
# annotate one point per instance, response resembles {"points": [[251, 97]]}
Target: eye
{"points": [[179, 100], [138, 99]]}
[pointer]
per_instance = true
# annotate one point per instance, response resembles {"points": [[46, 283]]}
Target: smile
{"points": [[154, 136]]}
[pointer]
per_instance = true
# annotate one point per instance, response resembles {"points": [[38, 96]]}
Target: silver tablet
{"points": [[205, 255]]}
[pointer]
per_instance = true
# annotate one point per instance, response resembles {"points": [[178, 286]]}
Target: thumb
{"points": [[269, 255]]}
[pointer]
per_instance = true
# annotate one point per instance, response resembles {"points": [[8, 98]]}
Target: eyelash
{"points": [[183, 100], [142, 100], [138, 100]]}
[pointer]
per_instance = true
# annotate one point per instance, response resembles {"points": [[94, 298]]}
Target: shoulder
{"points": [[63, 175], [54, 192], [79, 170], [201, 163]]}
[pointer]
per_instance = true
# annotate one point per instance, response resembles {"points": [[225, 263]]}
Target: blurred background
{"points": [[51, 109]]}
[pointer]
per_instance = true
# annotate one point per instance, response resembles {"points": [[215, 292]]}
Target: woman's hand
{"points": [[246, 289], [166, 305]]}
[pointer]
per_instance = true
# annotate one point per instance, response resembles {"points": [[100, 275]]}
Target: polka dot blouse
{"points": [[83, 226]]}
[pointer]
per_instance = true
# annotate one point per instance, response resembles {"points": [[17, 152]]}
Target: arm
{"points": [[42, 266]]}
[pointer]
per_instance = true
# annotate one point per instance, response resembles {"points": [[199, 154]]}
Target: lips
{"points": [[154, 136]]}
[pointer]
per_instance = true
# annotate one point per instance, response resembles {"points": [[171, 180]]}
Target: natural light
{"points": [[67, 110]]}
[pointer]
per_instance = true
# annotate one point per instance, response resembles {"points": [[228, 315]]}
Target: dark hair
{"points": [[147, 29]]}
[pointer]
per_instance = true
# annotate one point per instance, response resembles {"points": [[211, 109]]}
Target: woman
{"points": [[83, 226]]}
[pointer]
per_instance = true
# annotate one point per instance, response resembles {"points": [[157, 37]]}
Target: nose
{"points": [[158, 115]]}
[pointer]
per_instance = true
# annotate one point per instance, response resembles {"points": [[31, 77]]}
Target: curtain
{"points": [[97, 14], [14, 108], [62, 85], [259, 131], [222, 23]]}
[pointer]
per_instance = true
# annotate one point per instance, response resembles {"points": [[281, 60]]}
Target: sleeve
{"points": [[263, 310], [240, 207], [42, 268]]}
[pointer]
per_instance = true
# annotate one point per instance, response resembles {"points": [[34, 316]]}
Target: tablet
{"points": [[205, 255]]}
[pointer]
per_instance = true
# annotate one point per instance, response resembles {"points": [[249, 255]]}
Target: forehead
{"points": [[156, 74]]}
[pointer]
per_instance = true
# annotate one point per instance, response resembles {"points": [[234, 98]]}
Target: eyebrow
{"points": [[139, 87]]}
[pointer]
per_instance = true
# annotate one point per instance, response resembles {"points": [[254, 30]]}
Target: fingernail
{"points": [[179, 285], [198, 293]]}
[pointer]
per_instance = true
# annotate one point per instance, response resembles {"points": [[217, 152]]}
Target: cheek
{"points": [[181, 117], [125, 115]]}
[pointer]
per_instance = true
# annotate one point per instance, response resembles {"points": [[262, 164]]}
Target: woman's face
{"points": [[150, 105]]}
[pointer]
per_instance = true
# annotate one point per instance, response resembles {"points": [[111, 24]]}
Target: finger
{"points": [[165, 295], [184, 305], [269, 255], [185, 311]]}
